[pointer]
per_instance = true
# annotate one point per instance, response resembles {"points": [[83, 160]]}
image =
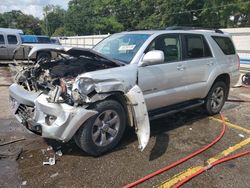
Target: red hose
{"points": [[181, 160], [210, 166], [233, 100], [242, 87]]}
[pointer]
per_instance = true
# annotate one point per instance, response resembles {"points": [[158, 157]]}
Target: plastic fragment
{"points": [[59, 153], [241, 135], [54, 175], [52, 161]]}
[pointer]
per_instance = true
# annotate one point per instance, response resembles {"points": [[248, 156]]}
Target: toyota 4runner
{"points": [[127, 79]]}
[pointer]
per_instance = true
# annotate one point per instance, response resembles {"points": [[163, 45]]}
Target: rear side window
{"points": [[196, 47], [2, 39], [12, 39], [225, 44]]}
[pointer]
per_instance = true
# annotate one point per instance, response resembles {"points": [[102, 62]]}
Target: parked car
{"points": [[91, 95], [11, 41]]}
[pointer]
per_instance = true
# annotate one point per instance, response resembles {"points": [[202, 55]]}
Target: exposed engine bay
{"points": [[57, 76]]}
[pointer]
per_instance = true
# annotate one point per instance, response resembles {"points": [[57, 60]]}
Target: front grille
{"points": [[27, 85], [25, 112]]}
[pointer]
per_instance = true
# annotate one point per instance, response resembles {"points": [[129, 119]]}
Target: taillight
{"points": [[238, 62]]}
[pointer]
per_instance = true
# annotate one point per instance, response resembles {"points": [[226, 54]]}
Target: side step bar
{"points": [[159, 113]]}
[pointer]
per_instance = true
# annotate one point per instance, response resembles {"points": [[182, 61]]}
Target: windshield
{"points": [[121, 47]]}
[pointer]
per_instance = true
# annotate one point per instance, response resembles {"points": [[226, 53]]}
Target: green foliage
{"points": [[85, 17], [53, 19], [16, 19]]}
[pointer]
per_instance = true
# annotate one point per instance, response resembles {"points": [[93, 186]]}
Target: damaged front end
{"points": [[58, 94]]}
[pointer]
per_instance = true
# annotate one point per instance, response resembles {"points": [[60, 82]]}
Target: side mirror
{"points": [[153, 57]]}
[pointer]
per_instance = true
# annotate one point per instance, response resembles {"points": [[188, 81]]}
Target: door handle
{"points": [[2, 46], [180, 67], [210, 63]]}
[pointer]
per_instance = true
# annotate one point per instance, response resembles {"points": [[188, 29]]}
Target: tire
{"points": [[43, 55], [216, 98], [102, 132]]}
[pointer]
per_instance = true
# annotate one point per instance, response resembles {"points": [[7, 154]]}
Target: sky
{"points": [[33, 7]]}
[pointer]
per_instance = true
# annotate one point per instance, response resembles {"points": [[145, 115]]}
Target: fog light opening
{"points": [[50, 119]]}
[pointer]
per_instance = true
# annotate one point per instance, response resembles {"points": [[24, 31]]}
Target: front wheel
{"points": [[216, 98], [103, 131]]}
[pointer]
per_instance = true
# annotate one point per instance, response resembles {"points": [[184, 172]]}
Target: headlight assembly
{"points": [[85, 85]]}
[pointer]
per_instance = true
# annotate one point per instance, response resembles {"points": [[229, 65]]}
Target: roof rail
{"points": [[192, 28]]}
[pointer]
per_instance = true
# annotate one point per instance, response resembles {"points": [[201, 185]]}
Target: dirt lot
{"points": [[172, 138]]}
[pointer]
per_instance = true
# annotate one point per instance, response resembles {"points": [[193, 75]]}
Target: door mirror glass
{"points": [[153, 57]]}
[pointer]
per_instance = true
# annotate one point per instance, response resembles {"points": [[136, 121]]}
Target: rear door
{"points": [[164, 84], [3, 47], [199, 64]]}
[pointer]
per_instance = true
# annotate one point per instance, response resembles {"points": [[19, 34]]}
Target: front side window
{"points": [[2, 39], [196, 47], [12, 39], [170, 45], [121, 46]]}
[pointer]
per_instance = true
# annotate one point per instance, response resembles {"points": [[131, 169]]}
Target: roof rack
{"points": [[192, 28]]}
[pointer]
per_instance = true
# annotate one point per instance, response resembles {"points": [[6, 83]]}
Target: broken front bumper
{"points": [[59, 121], [22, 102]]}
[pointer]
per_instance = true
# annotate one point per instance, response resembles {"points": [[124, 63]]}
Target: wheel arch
{"points": [[41, 52], [224, 78]]}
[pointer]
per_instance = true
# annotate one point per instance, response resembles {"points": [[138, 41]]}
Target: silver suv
{"points": [[91, 95]]}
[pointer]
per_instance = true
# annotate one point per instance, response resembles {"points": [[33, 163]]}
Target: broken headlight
{"points": [[85, 86]]}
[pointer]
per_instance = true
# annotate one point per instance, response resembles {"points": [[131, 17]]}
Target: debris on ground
{"points": [[54, 175], [241, 135], [52, 161], [59, 153], [49, 148], [11, 141], [24, 183]]}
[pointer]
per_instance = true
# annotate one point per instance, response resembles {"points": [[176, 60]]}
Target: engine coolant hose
{"points": [[149, 176]]}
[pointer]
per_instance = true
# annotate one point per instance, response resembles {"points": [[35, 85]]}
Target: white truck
{"points": [[10, 43]]}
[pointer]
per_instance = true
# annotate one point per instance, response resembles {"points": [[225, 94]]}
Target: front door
{"points": [[164, 84]]}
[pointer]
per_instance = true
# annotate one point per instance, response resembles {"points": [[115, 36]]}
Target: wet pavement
{"points": [[172, 138]]}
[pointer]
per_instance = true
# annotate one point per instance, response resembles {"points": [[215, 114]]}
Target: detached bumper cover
{"points": [[23, 96], [67, 119], [22, 102]]}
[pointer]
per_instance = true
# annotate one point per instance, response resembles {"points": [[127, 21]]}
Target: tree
{"points": [[53, 19], [17, 19]]}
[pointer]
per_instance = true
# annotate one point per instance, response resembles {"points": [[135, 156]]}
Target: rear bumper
{"points": [[235, 78], [66, 119]]}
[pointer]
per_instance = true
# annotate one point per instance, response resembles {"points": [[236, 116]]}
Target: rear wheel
{"points": [[216, 98], [103, 131]]}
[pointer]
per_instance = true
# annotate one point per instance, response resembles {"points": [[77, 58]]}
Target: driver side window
{"points": [[169, 44]]}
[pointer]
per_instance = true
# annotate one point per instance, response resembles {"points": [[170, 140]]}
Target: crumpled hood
{"points": [[71, 51]]}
